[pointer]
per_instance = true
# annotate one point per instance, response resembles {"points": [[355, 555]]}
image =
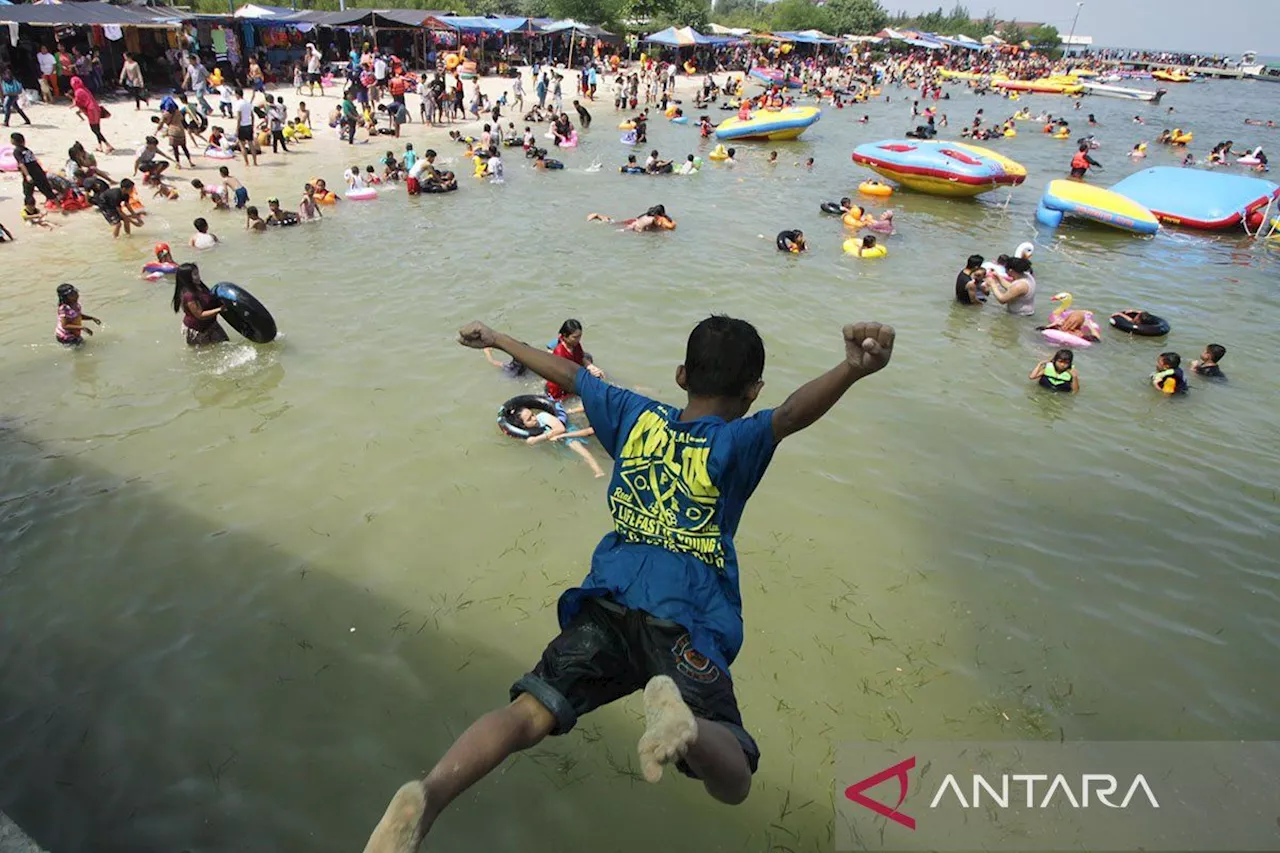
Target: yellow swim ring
{"points": [[627, 125], [1062, 135], [853, 246], [855, 218], [875, 188], [718, 153], [1010, 132]]}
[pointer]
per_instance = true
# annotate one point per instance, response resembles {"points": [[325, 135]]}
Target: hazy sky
{"points": [[1181, 25]]}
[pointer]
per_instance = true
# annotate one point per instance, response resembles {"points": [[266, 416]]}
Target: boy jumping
{"points": [[660, 609]]}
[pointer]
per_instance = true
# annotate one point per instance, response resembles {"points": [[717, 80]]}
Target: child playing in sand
{"points": [[660, 610]]}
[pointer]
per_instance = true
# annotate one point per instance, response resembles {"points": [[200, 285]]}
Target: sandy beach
{"points": [[55, 127]]}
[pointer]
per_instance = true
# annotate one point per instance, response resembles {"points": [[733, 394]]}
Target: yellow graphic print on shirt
{"points": [[666, 497]]}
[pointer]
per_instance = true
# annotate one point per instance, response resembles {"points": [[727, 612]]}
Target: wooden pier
{"points": [[1205, 71]]}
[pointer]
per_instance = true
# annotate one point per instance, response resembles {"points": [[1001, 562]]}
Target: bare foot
{"points": [[401, 824], [670, 728]]}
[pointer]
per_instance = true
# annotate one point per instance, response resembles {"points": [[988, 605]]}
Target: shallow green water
{"points": [[246, 593]]}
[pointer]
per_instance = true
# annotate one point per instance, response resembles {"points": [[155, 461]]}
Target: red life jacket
{"points": [[1080, 161]]}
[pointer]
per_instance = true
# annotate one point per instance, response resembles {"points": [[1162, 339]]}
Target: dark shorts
{"points": [[69, 342], [1078, 173], [313, 77], [111, 214], [241, 196], [608, 652], [245, 133]]}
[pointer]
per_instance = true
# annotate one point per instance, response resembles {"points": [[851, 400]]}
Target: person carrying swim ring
{"points": [[1058, 374], [569, 345], [791, 241], [198, 306]]}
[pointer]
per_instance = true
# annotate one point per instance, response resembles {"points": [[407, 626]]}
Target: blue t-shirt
{"points": [[676, 496]]}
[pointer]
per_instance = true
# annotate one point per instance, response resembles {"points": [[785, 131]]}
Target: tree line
{"points": [[836, 17]]}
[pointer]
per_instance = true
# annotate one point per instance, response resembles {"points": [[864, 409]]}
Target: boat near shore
{"points": [[1107, 90]]}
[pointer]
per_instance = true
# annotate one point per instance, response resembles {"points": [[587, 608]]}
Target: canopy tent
{"points": [[478, 24], [79, 14], [958, 41], [992, 40], [718, 30], [575, 27], [807, 37], [673, 37], [863, 39], [254, 12]]}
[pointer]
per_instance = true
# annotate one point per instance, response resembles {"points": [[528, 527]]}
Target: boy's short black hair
{"points": [[1217, 351], [724, 358], [974, 261], [1172, 359]]}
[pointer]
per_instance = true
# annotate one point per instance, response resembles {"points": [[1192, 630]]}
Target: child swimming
{"points": [[213, 192], [1058, 373], [660, 610], [203, 238], [1207, 363], [1168, 378], [554, 430]]}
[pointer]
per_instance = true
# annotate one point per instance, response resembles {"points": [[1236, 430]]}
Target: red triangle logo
{"points": [[898, 771]]}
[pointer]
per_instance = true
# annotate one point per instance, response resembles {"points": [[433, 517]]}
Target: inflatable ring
{"points": [[628, 138], [552, 164], [245, 314], [1065, 339], [680, 120], [156, 270], [510, 424], [326, 198], [1155, 327], [365, 194], [832, 208], [853, 218], [571, 142], [627, 125], [853, 246], [438, 188], [631, 170], [718, 153], [7, 161], [875, 188], [783, 246], [219, 154]]}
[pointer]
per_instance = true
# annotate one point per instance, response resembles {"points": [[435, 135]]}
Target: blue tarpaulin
{"points": [[805, 38], [481, 24]]}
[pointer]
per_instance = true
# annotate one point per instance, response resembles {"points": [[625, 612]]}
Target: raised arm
{"points": [[553, 368], [868, 348]]}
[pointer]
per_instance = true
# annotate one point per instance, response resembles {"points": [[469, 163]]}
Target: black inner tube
{"points": [[245, 314], [510, 423], [1150, 326], [832, 208], [785, 240]]}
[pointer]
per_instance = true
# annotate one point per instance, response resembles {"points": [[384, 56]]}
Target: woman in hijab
{"points": [[88, 108]]}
